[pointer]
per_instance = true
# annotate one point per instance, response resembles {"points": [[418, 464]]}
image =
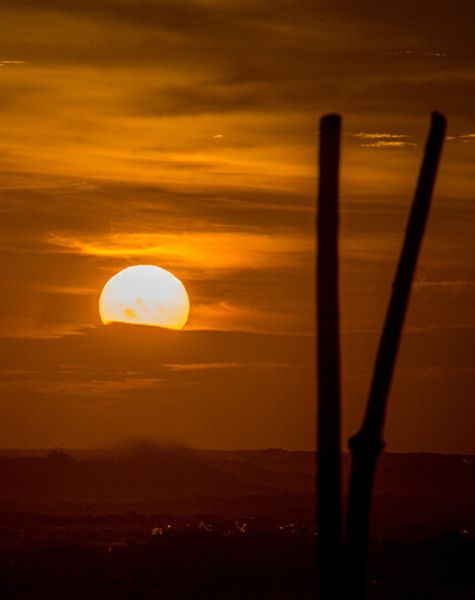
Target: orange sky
{"points": [[183, 134]]}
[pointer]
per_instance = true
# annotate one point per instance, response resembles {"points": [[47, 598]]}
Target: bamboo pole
{"points": [[367, 444], [328, 361]]}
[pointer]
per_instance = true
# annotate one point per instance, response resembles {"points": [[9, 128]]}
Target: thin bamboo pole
{"points": [[328, 360], [367, 444]]}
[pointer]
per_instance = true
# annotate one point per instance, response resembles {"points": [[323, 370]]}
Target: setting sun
{"points": [[145, 295]]}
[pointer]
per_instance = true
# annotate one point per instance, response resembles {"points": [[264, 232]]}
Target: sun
{"points": [[145, 295]]}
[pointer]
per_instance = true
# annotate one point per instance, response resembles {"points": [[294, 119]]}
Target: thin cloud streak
{"points": [[207, 250], [388, 144], [375, 136]]}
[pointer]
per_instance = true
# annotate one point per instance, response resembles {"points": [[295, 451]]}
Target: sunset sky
{"points": [[184, 134]]}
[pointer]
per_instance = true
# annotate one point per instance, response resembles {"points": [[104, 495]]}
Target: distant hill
{"points": [[146, 471]]}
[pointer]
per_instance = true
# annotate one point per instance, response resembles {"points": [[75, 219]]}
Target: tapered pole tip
{"points": [[439, 120]]}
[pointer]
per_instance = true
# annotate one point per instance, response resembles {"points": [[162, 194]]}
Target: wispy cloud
{"points": [[208, 249], [26, 327], [466, 138], [77, 388], [375, 136], [233, 316], [388, 144], [73, 290], [6, 63], [383, 140], [418, 53], [204, 366], [445, 284]]}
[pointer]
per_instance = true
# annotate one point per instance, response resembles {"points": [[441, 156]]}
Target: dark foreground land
{"points": [[160, 523]]}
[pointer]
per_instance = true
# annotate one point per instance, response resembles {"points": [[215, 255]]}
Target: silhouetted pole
{"points": [[367, 444], [328, 357]]}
